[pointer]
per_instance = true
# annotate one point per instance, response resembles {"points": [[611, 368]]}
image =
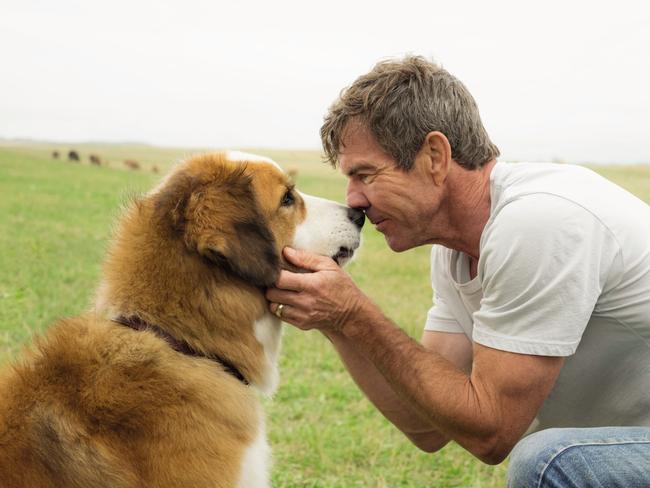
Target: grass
{"points": [[56, 222]]}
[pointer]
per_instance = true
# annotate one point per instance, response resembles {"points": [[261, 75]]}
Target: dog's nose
{"points": [[356, 216]]}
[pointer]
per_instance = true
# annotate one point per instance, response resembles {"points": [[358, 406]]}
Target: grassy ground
{"points": [[56, 219]]}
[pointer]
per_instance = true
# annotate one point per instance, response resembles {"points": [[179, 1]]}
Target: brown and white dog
{"points": [[158, 385]]}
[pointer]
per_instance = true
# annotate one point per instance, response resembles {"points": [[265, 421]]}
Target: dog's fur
{"points": [[98, 404]]}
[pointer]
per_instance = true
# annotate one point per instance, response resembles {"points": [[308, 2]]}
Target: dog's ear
{"points": [[172, 201], [232, 232], [248, 251], [219, 218]]}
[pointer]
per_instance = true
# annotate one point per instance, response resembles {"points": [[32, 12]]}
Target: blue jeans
{"points": [[604, 457]]}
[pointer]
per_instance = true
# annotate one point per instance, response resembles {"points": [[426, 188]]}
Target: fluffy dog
{"points": [[158, 385]]}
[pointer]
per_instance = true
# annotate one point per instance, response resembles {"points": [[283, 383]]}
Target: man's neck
{"points": [[469, 208]]}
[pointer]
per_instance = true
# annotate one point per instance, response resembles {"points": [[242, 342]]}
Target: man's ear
{"points": [[438, 151], [247, 250]]}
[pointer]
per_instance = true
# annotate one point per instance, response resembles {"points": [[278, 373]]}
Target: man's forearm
{"points": [[383, 396], [431, 385]]}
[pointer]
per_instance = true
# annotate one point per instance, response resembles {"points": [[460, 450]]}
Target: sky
{"points": [[555, 80]]}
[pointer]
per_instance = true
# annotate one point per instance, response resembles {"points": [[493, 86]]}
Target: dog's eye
{"points": [[288, 199]]}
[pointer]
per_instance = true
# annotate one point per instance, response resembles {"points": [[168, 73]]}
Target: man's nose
{"points": [[355, 198]]}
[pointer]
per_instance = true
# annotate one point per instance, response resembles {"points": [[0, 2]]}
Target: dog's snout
{"points": [[356, 216]]}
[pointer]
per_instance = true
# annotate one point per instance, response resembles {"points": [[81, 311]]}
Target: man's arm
{"points": [[485, 410], [455, 347]]}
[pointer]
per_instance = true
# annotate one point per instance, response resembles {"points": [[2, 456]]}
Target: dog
{"points": [[159, 384]]}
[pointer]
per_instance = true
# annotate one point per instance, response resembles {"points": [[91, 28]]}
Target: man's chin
{"points": [[396, 245], [393, 238]]}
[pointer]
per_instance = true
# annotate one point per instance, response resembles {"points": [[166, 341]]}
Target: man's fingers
{"points": [[290, 315], [275, 295], [306, 260], [291, 281]]}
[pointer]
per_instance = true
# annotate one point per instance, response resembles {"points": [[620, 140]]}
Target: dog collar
{"points": [[136, 323]]}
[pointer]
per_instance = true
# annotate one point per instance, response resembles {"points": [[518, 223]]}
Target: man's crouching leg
{"points": [[593, 457]]}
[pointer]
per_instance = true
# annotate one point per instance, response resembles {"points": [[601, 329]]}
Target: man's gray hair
{"points": [[400, 102]]}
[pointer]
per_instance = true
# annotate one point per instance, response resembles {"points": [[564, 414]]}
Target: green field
{"points": [[56, 220]]}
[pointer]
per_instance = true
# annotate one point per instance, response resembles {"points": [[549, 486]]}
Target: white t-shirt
{"points": [[564, 270]]}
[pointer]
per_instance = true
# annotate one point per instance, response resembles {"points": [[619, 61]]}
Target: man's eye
{"points": [[288, 199], [365, 179]]}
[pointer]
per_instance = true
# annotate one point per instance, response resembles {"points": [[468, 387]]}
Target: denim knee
{"points": [[530, 457], [593, 457]]}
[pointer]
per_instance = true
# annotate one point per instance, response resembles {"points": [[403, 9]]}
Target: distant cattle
{"points": [[73, 156], [292, 173], [94, 159], [130, 163], [55, 154], [155, 169]]}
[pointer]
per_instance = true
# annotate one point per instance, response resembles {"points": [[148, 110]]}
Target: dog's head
{"points": [[238, 211], [193, 255]]}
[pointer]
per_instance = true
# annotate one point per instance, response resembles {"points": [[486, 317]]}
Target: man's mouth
{"points": [[378, 224], [375, 220]]}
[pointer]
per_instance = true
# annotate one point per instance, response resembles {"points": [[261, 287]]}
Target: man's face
{"points": [[400, 204]]}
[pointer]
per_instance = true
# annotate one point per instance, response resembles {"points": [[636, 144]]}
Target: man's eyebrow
{"points": [[360, 167]]}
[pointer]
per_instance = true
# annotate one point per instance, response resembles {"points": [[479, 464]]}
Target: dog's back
{"points": [[97, 404]]}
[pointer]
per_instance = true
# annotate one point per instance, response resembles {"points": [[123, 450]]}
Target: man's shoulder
{"points": [[571, 183], [535, 209], [513, 180], [526, 195]]}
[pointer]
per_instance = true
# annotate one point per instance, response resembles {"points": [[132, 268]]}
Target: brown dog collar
{"points": [[136, 323]]}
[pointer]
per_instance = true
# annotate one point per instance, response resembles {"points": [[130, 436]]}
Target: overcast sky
{"points": [[554, 79]]}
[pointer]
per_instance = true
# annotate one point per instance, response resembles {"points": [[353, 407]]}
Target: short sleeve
{"points": [[440, 317], [544, 261]]}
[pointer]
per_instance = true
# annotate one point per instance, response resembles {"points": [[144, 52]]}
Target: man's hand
{"points": [[326, 298]]}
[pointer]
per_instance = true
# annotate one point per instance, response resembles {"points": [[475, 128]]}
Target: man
{"points": [[542, 282]]}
